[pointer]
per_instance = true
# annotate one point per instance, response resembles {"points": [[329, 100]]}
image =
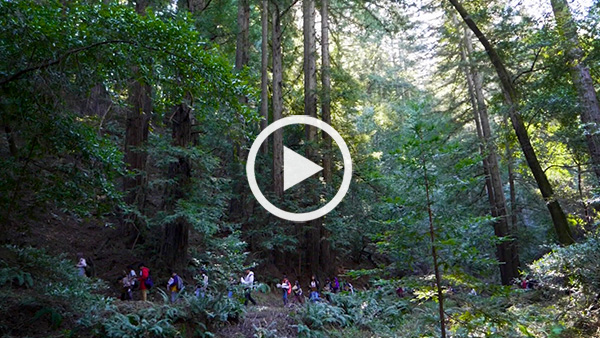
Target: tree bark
{"points": [[243, 44], [511, 183], [326, 88], [506, 254], [310, 109], [277, 103], [237, 202], [264, 75], [326, 255], [136, 133], [176, 235], [310, 71], [436, 268], [136, 136], [582, 80], [511, 98]]}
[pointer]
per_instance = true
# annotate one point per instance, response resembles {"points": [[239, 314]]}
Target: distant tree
{"points": [[582, 80]]}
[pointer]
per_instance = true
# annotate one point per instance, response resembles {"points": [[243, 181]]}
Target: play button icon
{"points": [[297, 168]]}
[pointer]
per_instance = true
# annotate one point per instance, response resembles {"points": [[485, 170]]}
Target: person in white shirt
{"points": [[202, 287], [248, 281], [132, 275], [81, 265]]}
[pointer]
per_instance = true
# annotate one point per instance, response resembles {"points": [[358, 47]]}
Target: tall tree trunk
{"points": [[434, 256], [242, 44], [264, 74], [326, 87], [136, 136], [237, 210], [508, 258], [514, 210], [136, 133], [277, 103], [582, 80], [310, 69], [176, 235], [310, 109], [326, 257], [559, 219]]}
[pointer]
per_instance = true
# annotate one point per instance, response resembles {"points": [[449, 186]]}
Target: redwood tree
{"points": [[511, 97]]}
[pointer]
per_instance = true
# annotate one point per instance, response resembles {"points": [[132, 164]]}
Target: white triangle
{"points": [[296, 168]]}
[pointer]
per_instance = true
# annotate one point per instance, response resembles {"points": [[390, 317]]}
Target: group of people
{"points": [[132, 280], [332, 286]]}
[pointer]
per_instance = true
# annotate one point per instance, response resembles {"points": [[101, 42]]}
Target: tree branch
{"points": [[49, 63], [531, 69]]}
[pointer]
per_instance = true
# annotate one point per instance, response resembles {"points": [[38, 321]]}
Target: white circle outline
{"points": [[291, 216]]}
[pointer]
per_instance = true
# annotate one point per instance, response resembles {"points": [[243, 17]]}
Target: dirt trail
{"points": [[267, 319]]}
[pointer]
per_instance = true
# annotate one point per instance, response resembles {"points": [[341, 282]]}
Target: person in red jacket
{"points": [[144, 273], [286, 288]]}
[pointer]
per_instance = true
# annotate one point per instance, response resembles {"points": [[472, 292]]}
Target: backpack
{"points": [[148, 282]]}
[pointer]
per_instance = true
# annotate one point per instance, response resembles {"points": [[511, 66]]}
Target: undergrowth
{"points": [[49, 297]]}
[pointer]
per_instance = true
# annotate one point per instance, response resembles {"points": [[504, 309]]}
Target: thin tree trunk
{"points": [[511, 183], [582, 80], [264, 75], [504, 250], [586, 208], [326, 84], [438, 275], [509, 258], [559, 219], [277, 104]]}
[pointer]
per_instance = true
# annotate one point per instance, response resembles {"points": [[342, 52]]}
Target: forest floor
{"points": [[269, 318], [105, 248]]}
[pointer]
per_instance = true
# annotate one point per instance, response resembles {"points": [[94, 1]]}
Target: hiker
{"points": [[327, 287], [286, 288], [174, 285], [143, 279], [335, 286], [400, 292], [81, 264], [298, 296], [230, 287], [202, 287], [132, 276], [127, 283], [327, 290], [314, 289], [350, 288], [248, 281]]}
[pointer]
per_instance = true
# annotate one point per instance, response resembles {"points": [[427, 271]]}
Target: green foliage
{"points": [[573, 269], [64, 149], [376, 311], [32, 280]]}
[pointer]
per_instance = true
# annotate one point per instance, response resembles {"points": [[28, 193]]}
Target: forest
{"points": [[472, 210]]}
